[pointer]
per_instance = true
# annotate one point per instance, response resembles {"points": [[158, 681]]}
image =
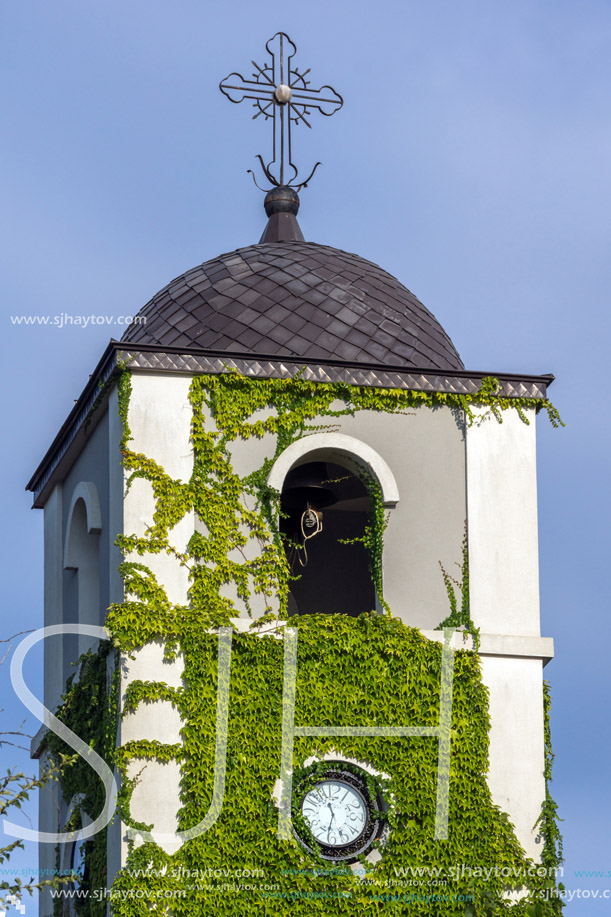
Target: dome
{"points": [[298, 299]]}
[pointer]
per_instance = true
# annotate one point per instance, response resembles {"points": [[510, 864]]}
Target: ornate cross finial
{"points": [[280, 93]]}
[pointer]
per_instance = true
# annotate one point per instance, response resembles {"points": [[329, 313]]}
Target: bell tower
{"points": [[311, 535]]}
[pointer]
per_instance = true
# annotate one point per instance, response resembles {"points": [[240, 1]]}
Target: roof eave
{"points": [[193, 360]]}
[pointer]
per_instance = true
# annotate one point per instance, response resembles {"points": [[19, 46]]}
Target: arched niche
{"points": [[82, 555], [323, 481], [71, 853], [90, 519]]}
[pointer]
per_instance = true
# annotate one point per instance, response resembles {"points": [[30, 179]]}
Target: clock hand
{"points": [[330, 822]]}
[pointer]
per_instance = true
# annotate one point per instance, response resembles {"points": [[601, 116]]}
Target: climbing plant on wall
{"points": [[90, 708], [370, 669]]}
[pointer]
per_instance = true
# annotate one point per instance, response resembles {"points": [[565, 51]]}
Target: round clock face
{"points": [[342, 817], [336, 813]]}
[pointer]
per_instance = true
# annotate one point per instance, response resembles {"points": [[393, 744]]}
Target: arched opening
{"points": [[82, 566], [72, 854], [325, 508]]}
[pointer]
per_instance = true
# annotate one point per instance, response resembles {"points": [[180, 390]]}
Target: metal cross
{"points": [[282, 93]]}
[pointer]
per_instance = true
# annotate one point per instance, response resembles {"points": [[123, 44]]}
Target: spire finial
{"points": [[281, 94], [282, 207]]}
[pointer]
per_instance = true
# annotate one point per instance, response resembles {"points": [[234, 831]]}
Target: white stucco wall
{"points": [[48, 802], [502, 518], [116, 487], [155, 799], [515, 775], [53, 596], [160, 421], [425, 454], [424, 450], [85, 567], [82, 555], [49, 807]]}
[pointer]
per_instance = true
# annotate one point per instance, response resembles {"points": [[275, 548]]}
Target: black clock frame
{"points": [[356, 779]]}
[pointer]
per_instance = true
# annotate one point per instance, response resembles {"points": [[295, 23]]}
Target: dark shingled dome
{"points": [[296, 299]]}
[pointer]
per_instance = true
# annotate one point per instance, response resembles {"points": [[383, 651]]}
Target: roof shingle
{"points": [[276, 289]]}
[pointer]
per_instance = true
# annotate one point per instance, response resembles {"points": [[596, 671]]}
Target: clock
{"points": [[338, 809]]}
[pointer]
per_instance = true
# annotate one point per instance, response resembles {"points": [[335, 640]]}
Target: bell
{"points": [[304, 485]]}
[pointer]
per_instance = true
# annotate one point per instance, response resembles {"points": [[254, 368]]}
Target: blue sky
{"points": [[471, 159]]}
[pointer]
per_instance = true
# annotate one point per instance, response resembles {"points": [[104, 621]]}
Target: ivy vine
{"points": [[460, 617], [89, 708], [370, 669]]}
